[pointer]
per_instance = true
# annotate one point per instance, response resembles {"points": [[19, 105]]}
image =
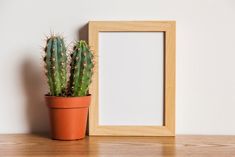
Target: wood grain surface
{"points": [[179, 146]]}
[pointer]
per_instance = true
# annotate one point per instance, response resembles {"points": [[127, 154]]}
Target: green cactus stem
{"points": [[56, 65], [81, 69]]}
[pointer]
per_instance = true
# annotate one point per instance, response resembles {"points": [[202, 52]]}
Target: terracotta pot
{"points": [[68, 116]]}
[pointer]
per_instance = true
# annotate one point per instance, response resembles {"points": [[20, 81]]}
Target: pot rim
{"points": [[59, 102], [65, 97]]}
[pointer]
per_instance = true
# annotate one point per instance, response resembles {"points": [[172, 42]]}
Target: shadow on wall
{"points": [[34, 89], [83, 33]]}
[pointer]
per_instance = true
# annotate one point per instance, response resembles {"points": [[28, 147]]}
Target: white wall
{"points": [[205, 99]]}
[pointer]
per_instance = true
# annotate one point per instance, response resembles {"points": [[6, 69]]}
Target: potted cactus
{"points": [[69, 98]]}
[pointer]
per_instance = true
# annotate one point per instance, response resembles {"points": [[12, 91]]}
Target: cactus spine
{"points": [[56, 65], [81, 69]]}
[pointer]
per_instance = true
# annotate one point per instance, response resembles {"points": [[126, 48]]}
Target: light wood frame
{"points": [[168, 27]]}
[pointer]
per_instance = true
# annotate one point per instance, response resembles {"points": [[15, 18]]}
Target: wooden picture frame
{"points": [[168, 128]]}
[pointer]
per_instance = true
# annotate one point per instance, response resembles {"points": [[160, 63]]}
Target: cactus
{"points": [[81, 69], [56, 65]]}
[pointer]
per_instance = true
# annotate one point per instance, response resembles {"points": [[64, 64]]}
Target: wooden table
{"points": [[33, 145]]}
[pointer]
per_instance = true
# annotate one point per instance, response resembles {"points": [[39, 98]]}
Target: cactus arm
{"points": [[75, 71], [86, 69], [71, 77], [87, 77], [62, 60], [84, 78], [47, 60], [81, 69], [55, 68], [56, 64]]}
